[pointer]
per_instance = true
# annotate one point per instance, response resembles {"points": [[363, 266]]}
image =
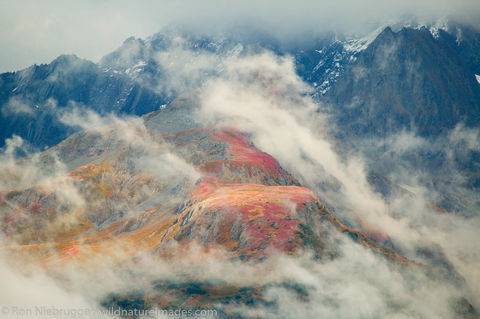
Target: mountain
{"points": [[160, 186], [32, 100], [410, 80], [419, 82], [384, 82], [180, 211], [319, 60], [241, 193]]}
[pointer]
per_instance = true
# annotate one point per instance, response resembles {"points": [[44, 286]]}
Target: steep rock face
{"points": [[226, 196], [409, 80], [320, 60], [32, 100], [420, 83], [150, 188]]}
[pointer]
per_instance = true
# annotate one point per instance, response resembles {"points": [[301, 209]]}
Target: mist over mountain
{"points": [[32, 99], [330, 173], [412, 79], [93, 28]]}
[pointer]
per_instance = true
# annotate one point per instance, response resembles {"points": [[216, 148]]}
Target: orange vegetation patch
{"points": [[70, 251], [91, 170], [244, 218], [218, 193], [267, 213], [243, 151]]}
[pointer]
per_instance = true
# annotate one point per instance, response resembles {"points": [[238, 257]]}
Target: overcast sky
{"points": [[33, 31]]}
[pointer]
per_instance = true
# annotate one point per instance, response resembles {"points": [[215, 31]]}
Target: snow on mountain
{"points": [[172, 181], [335, 57]]}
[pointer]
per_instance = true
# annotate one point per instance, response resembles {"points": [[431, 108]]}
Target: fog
{"points": [[260, 94], [37, 32], [263, 96]]}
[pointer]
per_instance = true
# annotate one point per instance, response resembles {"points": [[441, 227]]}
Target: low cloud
{"points": [[261, 95], [16, 106], [31, 32]]}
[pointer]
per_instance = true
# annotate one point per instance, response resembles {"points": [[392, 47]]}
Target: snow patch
{"points": [[358, 45], [459, 36], [433, 28], [439, 25], [140, 64], [478, 78], [435, 32], [136, 68], [337, 55]]}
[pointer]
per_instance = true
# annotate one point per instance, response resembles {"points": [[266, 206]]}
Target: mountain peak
{"points": [[386, 34], [65, 59]]}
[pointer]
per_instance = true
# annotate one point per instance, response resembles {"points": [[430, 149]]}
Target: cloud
{"points": [[17, 106], [32, 32], [28, 294], [354, 285], [19, 174], [185, 69], [149, 172], [360, 284], [153, 155], [262, 95]]}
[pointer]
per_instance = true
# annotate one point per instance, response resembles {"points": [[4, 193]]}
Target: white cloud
{"points": [[263, 96], [17, 106], [36, 32]]}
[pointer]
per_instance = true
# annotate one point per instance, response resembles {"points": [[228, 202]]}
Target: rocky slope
{"points": [[239, 197], [32, 100], [415, 78], [166, 185], [195, 186], [410, 80]]}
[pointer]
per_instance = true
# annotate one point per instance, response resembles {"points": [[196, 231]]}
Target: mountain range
{"points": [[119, 164]]}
